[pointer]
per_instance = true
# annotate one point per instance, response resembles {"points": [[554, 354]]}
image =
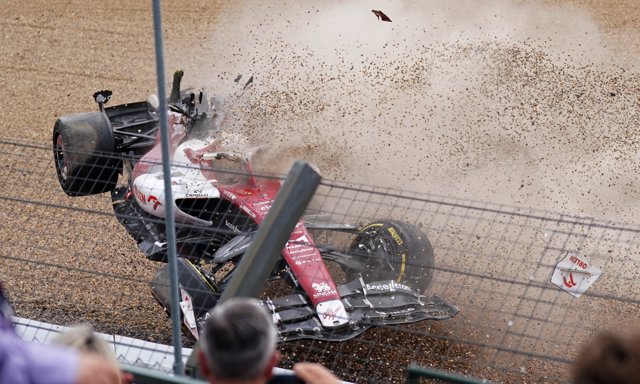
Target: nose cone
{"points": [[332, 314], [148, 190]]}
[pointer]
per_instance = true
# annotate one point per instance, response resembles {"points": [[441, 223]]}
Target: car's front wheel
{"points": [[393, 251]]}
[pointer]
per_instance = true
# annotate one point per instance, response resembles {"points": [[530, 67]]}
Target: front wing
{"points": [[368, 305], [388, 303]]}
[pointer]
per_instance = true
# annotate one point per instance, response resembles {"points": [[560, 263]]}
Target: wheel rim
{"points": [[381, 256], [61, 160]]}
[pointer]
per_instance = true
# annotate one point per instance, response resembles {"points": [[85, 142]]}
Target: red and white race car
{"points": [[219, 204]]}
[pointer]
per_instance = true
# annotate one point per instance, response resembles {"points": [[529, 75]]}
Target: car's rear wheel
{"points": [[393, 251], [84, 154]]}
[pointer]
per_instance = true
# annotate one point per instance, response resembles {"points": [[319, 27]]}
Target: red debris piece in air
{"points": [[380, 15]]}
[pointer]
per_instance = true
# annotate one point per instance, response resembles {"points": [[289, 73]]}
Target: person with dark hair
{"points": [[609, 358], [30, 363], [239, 345]]}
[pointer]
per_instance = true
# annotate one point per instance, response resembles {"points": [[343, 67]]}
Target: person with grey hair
{"points": [[82, 338], [239, 346]]}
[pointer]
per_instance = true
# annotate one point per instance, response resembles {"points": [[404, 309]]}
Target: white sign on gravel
{"points": [[575, 274]]}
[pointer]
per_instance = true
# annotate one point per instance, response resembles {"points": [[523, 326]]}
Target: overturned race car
{"points": [[219, 203]]}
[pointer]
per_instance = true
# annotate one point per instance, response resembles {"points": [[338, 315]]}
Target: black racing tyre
{"points": [[203, 292], [84, 154], [393, 251]]}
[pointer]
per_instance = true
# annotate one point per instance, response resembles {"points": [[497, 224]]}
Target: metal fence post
{"points": [[178, 366], [256, 264]]}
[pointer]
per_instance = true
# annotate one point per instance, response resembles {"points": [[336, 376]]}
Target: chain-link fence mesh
{"points": [[68, 260], [496, 262]]}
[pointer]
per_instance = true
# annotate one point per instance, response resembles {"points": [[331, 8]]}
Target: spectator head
{"points": [[238, 343], [609, 358], [82, 338]]}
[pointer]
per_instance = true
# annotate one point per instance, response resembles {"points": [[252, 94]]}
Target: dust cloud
{"points": [[520, 103]]}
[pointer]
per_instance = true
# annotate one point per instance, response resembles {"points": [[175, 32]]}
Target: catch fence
{"points": [[68, 260]]}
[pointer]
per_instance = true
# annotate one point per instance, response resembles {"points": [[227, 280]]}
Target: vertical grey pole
{"points": [[178, 366], [257, 263]]}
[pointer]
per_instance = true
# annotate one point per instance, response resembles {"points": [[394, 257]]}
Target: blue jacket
{"points": [[29, 363]]}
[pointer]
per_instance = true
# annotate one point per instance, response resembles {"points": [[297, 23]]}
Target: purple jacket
{"points": [[29, 363]]}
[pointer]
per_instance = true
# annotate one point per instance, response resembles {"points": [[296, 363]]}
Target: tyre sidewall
{"points": [[89, 153], [410, 250]]}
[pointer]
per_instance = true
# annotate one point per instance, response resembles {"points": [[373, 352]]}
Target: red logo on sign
{"points": [[569, 283]]}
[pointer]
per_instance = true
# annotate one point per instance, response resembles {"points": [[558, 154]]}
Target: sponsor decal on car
{"points": [[146, 200], [139, 195], [265, 208], [404, 311], [321, 287], [155, 201], [390, 286], [230, 195], [197, 194], [301, 241], [305, 251], [248, 211], [330, 314], [307, 261], [392, 231], [323, 290], [232, 227], [331, 292]]}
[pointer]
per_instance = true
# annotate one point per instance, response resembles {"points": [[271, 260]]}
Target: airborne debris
{"points": [[249, 82], [380, 15]]}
